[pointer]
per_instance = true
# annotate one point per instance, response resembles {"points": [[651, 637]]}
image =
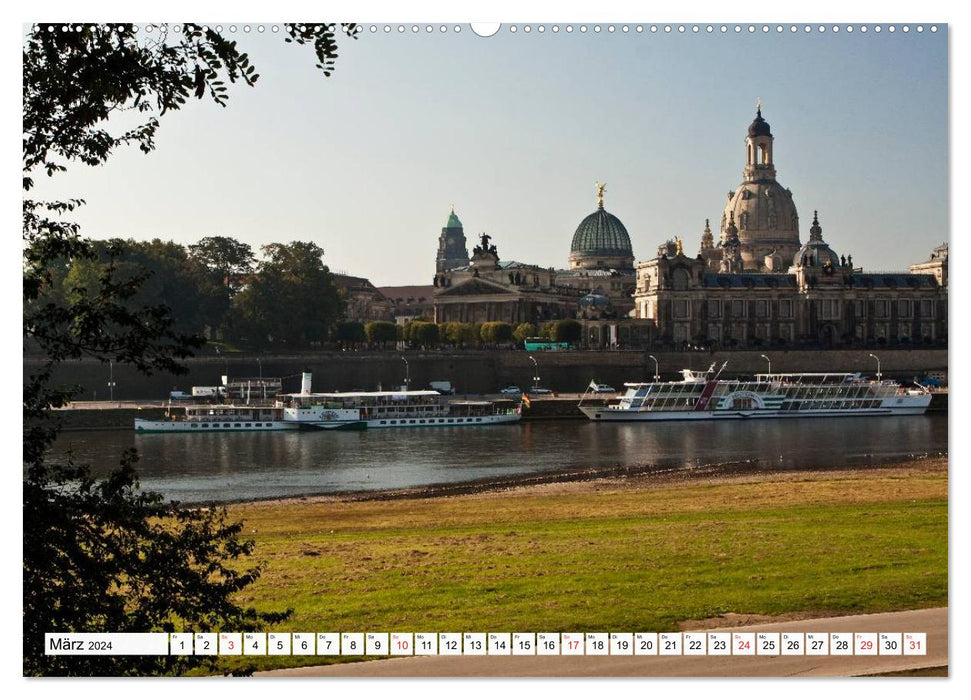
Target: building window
{"points": [[681, 308], [859, 309], [927, 308], [904, 308], [829, 309], [785, 308], [761, 308], [714, 309], [680, 279], [880, 308], [738, 308]]}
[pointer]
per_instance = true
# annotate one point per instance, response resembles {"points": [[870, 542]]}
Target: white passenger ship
{"points": [[337, 411], [699, 396]]}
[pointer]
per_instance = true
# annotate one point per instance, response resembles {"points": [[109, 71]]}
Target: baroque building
{"points": [[759, 285], [597, 284]]}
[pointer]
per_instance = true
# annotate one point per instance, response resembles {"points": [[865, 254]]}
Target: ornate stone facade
{"points": [[821, 300], [490, 290], [601, 263]]}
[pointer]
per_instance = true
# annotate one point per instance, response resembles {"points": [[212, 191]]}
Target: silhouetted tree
{"points": [[104, 556]]}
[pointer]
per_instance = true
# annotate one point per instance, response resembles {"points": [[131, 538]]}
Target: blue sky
{"points": [[516, 128]]}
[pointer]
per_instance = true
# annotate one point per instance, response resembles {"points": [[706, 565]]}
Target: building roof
{"points": [[601, 233], [763, 281], [409, 295], [453, 221], [894, 280], [759, 127]]}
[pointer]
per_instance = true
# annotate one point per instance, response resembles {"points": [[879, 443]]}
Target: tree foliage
{"points": [[495, 332], [523, 331], [381, 332], [105, 556], [291, 300], [228, 261], [421, 333], [567, 331]]}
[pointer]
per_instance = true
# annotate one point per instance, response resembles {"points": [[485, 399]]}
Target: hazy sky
{"points": [[516, 128]]}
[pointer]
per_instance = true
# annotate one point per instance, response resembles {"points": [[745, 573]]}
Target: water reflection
{"points": [[222, 466]]}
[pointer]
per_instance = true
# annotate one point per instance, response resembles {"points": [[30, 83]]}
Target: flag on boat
{"points": [[592, 386], [526, 402]]}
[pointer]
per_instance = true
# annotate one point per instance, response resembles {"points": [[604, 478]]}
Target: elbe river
{"points": [[242, 466]]}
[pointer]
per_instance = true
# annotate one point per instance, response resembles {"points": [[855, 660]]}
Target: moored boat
{"points": [[701, 396], [338, 411]]}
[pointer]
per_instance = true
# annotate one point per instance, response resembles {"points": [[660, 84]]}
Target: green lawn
{"points": [[608, 558]]}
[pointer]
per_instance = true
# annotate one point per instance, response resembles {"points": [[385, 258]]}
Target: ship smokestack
{"points": [[305, 383]]}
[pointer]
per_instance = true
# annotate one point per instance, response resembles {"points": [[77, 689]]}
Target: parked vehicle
{"points": [[603, 389], [511, 389], [540, 390]]}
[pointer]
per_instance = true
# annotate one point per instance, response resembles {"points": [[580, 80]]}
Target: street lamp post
{"points": [[407, 373], [769, 361], [656, 375], [879, 375], [111, 380], [535, 372]]}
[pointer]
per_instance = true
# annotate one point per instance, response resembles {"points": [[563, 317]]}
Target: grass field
{"points": [[630, 555]]}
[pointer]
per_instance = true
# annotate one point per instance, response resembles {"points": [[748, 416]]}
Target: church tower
{"points": [[452, 249], [766, 217]]}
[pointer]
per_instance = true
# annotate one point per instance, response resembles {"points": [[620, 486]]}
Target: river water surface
{"points": [[228, 466]]}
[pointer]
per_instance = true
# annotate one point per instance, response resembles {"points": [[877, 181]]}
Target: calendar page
{"points": [[581, 343]]}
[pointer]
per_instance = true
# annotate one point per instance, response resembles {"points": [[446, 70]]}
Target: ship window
{"points": [[257, 425], [193, 425], [227, 425], [205, 425], [478, 420], [412, 420], [235, 425], [422, 420], [394, 422]]}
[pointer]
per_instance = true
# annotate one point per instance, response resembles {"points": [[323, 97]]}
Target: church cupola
{"points": [[758, 149]]}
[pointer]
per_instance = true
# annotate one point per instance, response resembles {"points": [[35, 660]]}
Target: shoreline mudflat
{"points": [[614, 478]]}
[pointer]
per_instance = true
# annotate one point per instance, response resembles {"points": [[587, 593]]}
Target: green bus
{"points": [[535, 344]]}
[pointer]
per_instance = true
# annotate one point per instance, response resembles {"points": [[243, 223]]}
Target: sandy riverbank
{"points": [[615, 478]]}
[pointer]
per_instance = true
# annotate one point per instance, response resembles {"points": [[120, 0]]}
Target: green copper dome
{"points": [[601, 234], [453, 221]]}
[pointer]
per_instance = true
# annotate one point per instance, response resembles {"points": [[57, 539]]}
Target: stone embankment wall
{"points": [[478, 372]]}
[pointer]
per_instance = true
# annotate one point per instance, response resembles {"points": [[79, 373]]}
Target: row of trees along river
{"points": [[286, 298]]}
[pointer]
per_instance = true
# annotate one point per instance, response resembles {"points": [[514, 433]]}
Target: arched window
{"points": [[680, 279], [763, 154]]}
